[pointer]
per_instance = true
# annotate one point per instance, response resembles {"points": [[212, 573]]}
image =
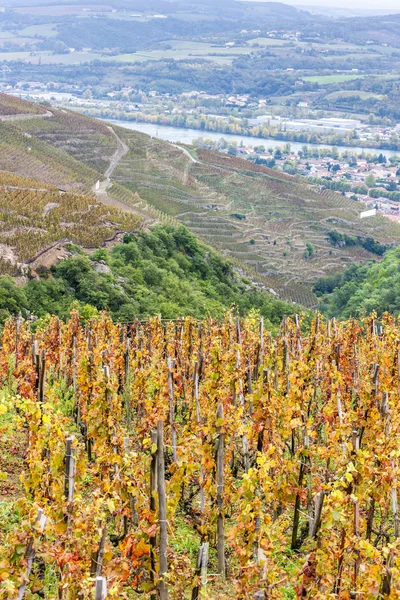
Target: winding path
{"points": [[119, 154], [26, 117], [194, 160], [100, 188]]}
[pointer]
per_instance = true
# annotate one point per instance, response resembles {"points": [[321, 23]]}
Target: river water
{"points": [[186, 136]]}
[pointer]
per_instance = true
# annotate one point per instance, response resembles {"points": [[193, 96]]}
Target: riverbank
{"points": [[187, 136]]}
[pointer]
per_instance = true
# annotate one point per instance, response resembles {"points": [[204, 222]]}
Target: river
{"points": [[186, 136]]}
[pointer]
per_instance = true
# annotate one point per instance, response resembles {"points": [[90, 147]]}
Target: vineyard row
{"points": [[207, 459]]}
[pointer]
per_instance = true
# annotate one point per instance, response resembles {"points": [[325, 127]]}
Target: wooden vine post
{"points": [[127, 399], [69, 465], [162, 513], [69, 479], [198, 422], [101, 588], [201, 570], [245, 441], [42, 370], [153, 493], [220, 494], [170, 364], [40, 522], [17, 328]]}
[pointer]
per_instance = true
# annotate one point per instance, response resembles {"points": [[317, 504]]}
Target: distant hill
{"points": [[273, 227]]}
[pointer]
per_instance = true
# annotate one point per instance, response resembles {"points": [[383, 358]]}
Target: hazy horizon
{"points": [[389, 5]]}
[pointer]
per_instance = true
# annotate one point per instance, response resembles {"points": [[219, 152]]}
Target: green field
{"points": [[63, 9], [180, 50], [352, 56], [351, 93], [48, 58], [263, 41], [18, 41], [267, 41], [325, 79], [45, 30]]}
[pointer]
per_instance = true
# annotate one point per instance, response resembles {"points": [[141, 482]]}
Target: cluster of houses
{"points": [[386, 175], [356, 173]]}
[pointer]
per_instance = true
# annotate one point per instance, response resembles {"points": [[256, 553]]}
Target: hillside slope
{"points": [[259, 217], [165, 271], [361, 290], [272, 226]]}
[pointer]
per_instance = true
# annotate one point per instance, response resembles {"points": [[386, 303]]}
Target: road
{"points": [[186, 152], [26, 117], [119, 154], [100, 188]]}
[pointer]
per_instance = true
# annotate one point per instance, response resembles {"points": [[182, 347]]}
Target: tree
{"points": [[290, 167], [12, 298], [370, 180], [60, 47], [335, 153], [309, 251]]}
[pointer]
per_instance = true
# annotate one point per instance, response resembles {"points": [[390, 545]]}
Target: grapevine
{"points": [[278, 453]]}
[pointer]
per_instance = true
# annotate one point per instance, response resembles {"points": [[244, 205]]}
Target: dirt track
{"points": [[26, 117]]}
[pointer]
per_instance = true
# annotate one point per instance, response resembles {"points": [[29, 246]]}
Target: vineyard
{"points": [[25, 155], [11, 105], [186, 459], [33, 219], [250, 213], [89, 141], [261, 220], [12, 180]]}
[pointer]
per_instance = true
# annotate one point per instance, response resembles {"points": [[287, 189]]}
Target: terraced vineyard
{"points": [[31, 220], [261, 219], [11, 180], [87, 140], [258, 217], [11, 105], [26, 155]]}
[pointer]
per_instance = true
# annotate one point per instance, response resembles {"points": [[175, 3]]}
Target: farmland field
{"points": [[267, 41], [45, 30], [322, 79], [43, 57], [351, 93], [180, 50], [63, 9]]}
